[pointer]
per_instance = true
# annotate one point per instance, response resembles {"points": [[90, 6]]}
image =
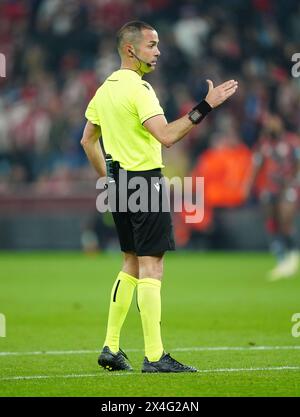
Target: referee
{"points": [[126, 113]]}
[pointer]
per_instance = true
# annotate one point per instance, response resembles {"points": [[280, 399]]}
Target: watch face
{"points": [[195, 116]]}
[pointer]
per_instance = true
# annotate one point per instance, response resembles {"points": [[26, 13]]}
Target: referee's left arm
{"points": [[170, 133], [91, 146]]}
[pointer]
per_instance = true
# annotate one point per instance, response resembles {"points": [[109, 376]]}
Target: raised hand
{"points": [[217, 95]]}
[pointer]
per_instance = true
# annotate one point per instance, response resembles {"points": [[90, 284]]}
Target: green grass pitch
{"points": [[219, 314]]}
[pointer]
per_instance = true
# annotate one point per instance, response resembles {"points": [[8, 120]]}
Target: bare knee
{"points": [[151, 266], [131, 264]]}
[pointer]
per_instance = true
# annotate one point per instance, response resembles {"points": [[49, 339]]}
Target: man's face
{"points": [[147, 49]]}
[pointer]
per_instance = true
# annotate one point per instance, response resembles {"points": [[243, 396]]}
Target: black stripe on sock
{"points": [[115, 293]]}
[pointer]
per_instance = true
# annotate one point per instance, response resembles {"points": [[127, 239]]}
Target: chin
{"points": [[150, 69]]}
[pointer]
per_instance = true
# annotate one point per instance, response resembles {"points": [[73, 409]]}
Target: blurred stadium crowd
{"points": [[59, 51]]}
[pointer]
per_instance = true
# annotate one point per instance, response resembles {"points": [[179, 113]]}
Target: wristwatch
{"points": [[199, 112], [195, 116]]}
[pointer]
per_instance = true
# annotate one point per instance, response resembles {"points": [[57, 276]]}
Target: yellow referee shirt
{"points": [[120, 106]]}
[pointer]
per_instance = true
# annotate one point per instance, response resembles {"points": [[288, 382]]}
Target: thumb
{"points": [[210, 85]]}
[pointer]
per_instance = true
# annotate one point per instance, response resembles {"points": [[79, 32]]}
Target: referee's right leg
{"points": [[120, 299]]}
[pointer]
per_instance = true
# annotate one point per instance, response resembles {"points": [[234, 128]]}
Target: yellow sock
{"points": [[120, 300], [149, 302]]}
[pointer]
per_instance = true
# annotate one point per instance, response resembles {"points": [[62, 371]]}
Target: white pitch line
{"points": [[202, 371], [183, 349], [50, 352]]}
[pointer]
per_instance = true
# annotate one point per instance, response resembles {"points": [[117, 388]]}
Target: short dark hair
{"points": [[131, 32]]}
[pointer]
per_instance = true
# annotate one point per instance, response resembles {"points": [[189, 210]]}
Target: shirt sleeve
{"points": [[146, 102], [91, 113]]}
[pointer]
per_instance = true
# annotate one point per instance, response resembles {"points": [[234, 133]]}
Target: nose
{"points": [[157, 52]]}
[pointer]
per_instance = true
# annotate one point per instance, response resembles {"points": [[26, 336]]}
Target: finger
{"points": [[230, 91], [232, 87], [223, 88], [229, 84], [210, 85]]}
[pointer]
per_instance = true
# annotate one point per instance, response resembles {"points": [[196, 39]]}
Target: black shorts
{"points": [[143, 230]]}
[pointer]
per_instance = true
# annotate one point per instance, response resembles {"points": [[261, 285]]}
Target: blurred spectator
{"points": [[225, 167], [276, 180], [191, 31], [59, 51]]}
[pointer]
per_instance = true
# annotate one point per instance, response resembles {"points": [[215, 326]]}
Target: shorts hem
{"points": [[153, 253]]}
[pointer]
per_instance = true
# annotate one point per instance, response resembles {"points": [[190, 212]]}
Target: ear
{"points": [[129, 49]]}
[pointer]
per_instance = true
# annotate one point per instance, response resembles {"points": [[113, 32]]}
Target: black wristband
{"points": [[199, 112]]}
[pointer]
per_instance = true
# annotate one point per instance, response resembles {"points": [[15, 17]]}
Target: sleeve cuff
{"points": [[149, 116]]}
